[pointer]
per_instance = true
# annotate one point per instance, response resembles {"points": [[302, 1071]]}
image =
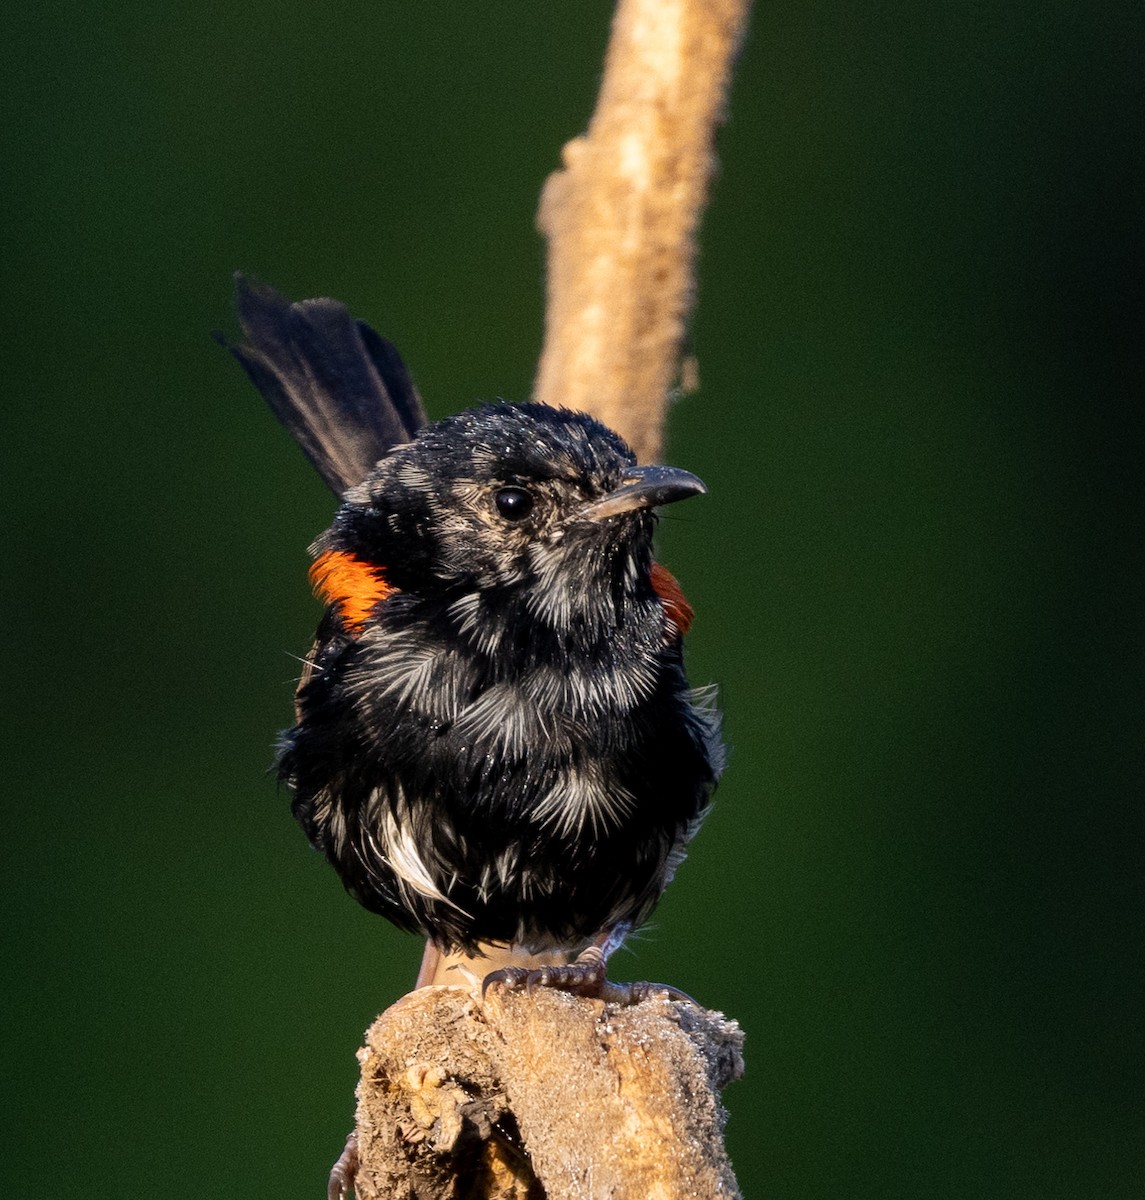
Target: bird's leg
{"points": [[430, 965], [343, 1171], [468, 968]]}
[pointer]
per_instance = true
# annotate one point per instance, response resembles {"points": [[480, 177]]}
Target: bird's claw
{"points": [[584, 977], [342, 1173], [581, 979]]}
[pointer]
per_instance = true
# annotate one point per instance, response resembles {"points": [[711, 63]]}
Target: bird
{"points": [[495, 743]]}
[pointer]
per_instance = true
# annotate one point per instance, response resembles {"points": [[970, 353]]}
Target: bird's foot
{"points": [[343, 1171], [586, 976]]}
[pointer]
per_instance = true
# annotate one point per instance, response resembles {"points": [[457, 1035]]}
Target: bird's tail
{"points": [[341, 390]]}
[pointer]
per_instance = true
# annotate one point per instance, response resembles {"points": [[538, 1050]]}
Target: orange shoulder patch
{"points": [[351, 585], [676, 606]]}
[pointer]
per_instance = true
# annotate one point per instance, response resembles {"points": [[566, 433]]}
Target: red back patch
{"points": [[676, 607], [354, 587]]}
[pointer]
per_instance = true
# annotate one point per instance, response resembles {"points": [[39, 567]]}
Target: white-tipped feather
{"points": [[399, 848], [580, 798], [505, 717], [415, 674]]}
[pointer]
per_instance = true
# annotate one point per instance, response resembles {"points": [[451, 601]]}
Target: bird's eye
{"points": [[513, 503]]}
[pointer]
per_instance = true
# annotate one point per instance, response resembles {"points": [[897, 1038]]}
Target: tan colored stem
{"points": [[621, 217], [525, 1096]]}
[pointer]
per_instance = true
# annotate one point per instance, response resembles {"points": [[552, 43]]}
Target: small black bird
{"points": [[495, 743]]}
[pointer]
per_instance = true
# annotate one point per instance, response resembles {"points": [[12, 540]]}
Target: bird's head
{"points": [[509, 496]]}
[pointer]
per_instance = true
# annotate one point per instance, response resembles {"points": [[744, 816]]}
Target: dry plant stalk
{"points": [[607, 1101], [548, 1095], [621, 217]]}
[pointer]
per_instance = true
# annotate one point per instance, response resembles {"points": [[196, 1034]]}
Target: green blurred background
{"points": [[918, 574]]}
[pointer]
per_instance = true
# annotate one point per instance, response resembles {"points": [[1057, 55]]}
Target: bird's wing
{"points": [[341, 390]]}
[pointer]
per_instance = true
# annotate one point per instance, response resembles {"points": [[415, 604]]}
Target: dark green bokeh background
{"points": [[918, 572]]}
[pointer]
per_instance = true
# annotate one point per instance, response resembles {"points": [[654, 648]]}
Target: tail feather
{"points": [[341, 389]]}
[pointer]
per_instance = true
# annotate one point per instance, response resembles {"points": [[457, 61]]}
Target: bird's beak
{"points": [[645, 487]]}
